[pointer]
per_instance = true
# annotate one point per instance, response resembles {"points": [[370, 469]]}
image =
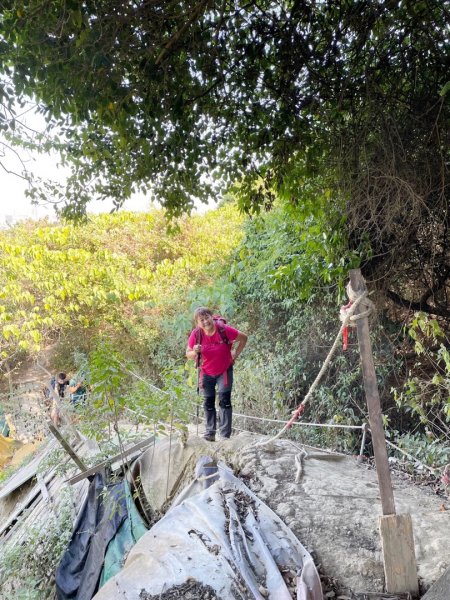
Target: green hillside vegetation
{"points": [[115, 297], [120, 276]]}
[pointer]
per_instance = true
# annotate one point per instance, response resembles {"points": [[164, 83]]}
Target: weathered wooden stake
{"points": [[101, 465], [399, 557], [67, 447], [396, 530], [373, 400]]}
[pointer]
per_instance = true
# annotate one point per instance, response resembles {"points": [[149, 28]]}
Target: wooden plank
{"points": [[397, 542], [26, 513], [44, 491], [77, 460], [440, 588], [28, 502], [37, 516], [373, 400], [27, 472], [127, 452]]}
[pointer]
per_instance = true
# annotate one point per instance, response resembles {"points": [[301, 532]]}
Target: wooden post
{"points": [[373, 400], [109, 461], [397, 538], [399, 557], [67, 447]]}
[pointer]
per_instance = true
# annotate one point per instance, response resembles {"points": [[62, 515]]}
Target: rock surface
{"points": [[334, 511], [441, 589]]}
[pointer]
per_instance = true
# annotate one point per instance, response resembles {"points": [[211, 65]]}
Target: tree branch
{"points": [[17, 155], [178, 34], [418, 306]]}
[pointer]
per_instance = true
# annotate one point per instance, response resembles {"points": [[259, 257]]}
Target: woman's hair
{"points": [[201, 311]]}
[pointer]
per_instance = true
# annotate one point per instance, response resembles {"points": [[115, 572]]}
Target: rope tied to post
{"points": [[368, 308], [356, 299]]}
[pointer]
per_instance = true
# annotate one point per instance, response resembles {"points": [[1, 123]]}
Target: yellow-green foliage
{"points": [[106, 275]]}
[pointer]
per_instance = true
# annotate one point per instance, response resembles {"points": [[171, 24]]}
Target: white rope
{"points": [[235, 414], [349, 317], [315, 383], [299, 470], [145, 418], [298, 457], [299, 423], [300, 448], [150, 385]]}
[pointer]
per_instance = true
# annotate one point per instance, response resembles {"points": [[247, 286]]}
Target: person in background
{"points": [[77, 389], [61, 381], [212, 344], [56, 388]]}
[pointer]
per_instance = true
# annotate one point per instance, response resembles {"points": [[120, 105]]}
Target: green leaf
{"points": [[445, 89]]}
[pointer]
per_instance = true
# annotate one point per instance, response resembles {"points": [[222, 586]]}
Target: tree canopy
{"points": [[286, 97]]}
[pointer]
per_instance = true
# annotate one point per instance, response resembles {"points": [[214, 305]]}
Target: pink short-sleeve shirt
{"points": [[216, 355]]}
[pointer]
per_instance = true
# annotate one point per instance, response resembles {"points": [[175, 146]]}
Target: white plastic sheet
{"points": [[223, 537]]}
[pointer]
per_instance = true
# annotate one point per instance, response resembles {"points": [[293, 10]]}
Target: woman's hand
{"points": [[241, 341], [193, 352]]}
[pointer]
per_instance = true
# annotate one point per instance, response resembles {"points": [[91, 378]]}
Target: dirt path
{"points": [[22, 400], [22, 392]]}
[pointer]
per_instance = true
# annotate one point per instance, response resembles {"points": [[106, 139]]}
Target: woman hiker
{"points": [[211, 344]]}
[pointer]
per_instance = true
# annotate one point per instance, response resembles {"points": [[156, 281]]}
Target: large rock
{"points": [[441, 589], [333, 509]]}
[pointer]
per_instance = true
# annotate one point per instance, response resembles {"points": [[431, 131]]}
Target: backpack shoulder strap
{"points": [[221, 329], [198, 335], [219, 323]]}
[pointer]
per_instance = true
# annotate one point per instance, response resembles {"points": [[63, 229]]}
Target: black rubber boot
{"points": [[210, 419], [225, 414]]}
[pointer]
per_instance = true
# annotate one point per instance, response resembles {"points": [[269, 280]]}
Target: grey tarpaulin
{"points": [[222, 537]]}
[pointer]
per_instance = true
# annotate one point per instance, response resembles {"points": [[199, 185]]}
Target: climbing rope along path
{"points": [[346, 320]]}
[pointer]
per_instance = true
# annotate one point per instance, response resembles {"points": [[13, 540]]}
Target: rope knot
{"points": [[346, 315]]}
